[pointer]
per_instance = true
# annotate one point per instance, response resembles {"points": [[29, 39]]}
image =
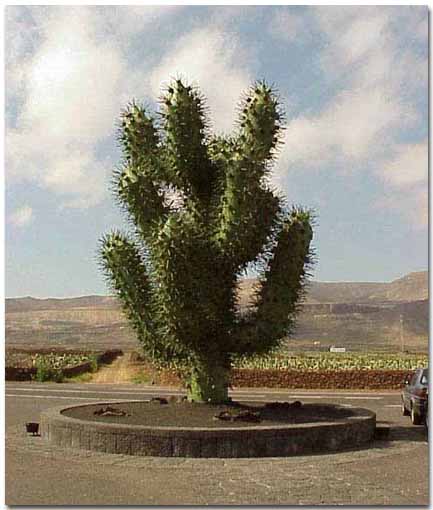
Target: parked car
{"points": [[414, 396]]}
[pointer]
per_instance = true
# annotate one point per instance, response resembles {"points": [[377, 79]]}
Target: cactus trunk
{"points": [[208, 383]]}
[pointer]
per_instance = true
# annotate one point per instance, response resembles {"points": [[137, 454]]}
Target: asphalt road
{"points": [[389, 472]]}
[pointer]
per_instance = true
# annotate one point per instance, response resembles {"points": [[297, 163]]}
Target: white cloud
{"points": [[331, 18], [353, 35], [21, 217], [81, 172], [77, 76], [421, 30], [287, 26], [374, 102], [408, 168], [129, 20], [212, 59], [77, 79], [72, 88], [405, 183], [352, 128], [356, 60], [418, 211], [70, 105], [412, 206]]}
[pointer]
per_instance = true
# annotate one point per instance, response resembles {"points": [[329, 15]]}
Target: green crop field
{"points": [[54, 360], [336, 361]]}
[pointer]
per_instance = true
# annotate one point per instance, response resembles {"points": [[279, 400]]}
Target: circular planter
{"points": [[229, 441]]}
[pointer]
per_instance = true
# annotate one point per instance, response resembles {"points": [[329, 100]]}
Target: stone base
{"points": [[254, 441]]}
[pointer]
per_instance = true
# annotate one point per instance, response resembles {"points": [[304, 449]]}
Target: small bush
{"points": [[44, 372], [93, 363]]}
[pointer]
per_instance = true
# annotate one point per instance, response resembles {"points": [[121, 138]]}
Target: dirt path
{"points": [[122, 370]]}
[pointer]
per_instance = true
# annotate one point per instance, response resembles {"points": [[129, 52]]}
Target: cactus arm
{"points": [[137, 135], [260, 128], [127, 276], [137, 184], [248, 215], [277, 298], [141, 197], [283, 285], [184, 122], [248, 208]]}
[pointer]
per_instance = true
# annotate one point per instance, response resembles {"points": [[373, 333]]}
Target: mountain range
{"points": [[371, 315], [412, 287]]}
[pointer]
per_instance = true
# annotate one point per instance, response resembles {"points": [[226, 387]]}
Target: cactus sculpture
{"points": [[203, 210]]}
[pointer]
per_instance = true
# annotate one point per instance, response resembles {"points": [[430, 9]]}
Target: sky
{"points": [[353, 82]]}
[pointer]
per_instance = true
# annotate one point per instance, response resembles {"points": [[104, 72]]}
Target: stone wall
{"points": [[323, 379]]}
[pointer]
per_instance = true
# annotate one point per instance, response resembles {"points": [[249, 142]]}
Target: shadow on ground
{"points": [[417, 433]]}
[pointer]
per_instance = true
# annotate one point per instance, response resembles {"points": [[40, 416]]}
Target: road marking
{"points": [[340, 396], [263, 391], [178, 392], [39, 388], [392, 405], [243, 398], [102, 400], [306, 396], [363, 398], [119, 392], [70, 398], [151, 391]]}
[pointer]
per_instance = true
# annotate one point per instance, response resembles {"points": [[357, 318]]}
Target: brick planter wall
{"points": [[254, 441]]}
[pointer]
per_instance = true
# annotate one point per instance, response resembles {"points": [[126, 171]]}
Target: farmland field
{"points": [[53, 359], [95, 328], [76, 328], [337, 361]]}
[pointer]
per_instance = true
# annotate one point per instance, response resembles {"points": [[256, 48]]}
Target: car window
{"points": [[424, 378]]}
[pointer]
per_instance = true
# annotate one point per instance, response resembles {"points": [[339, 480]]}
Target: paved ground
{"points": [[393, 472]]}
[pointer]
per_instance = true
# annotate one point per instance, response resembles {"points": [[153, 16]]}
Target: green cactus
{"points": [[203, 210]]}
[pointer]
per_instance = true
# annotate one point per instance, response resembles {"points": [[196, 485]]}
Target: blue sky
{"points": [[353, 81]]}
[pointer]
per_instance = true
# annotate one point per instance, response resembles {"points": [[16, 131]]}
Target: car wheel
{"points": [[404, 411], [415, 417]]}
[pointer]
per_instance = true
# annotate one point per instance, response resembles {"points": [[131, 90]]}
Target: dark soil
{"points": [[185, 414]]}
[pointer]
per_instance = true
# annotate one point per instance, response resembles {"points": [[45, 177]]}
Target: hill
{"points": [[27, 304], [412, 287], [358, 316]]}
